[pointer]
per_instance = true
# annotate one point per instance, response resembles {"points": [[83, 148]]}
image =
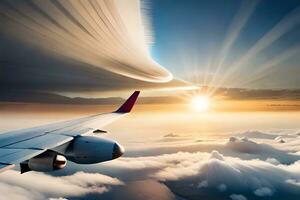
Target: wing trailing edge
{"points": [[129, 103]]}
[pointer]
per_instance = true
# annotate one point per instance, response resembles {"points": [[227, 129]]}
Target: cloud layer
{"points": [[213, 175], [70, 45], [237, 169], [247, 171], [36, 186], [227, 176]]}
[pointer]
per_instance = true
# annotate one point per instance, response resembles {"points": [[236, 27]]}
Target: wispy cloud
{"points": [[75, 46], [37, 186]]}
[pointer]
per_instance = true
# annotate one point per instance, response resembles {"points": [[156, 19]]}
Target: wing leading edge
{"points": [[21, 145]]}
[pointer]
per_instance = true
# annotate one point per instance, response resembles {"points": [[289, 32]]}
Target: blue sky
{"points": [[189, 36]]}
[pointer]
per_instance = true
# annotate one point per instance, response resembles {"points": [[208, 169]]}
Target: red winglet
{"points": [[129, 103]]}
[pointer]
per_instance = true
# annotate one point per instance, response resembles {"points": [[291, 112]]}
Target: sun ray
{"points": [[239, 21], [282, 27]]}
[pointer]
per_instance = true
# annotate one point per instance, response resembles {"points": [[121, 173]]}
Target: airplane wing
{"points": [[21, 145]]}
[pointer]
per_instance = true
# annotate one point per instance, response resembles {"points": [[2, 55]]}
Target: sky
{"points": [[234, 43], [195, 38]]}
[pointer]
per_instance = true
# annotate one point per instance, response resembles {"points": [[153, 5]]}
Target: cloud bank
{"points": [[71, 45], [213, 175], [227, 177], [36, 186], [243, 148], [238, 169]]}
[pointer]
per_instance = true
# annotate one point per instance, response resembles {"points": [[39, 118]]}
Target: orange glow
{"points": [[200, 103]]}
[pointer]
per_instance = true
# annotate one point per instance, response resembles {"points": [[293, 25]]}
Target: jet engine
{"points": [[91, 150], [47, 161]]}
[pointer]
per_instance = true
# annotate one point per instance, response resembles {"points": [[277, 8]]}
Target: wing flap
{"points": [[47, 141], [74, 132], [88, 125], [15, 156], [101, 120]]}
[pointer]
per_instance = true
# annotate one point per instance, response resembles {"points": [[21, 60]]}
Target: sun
{"points": [[200, 103]]}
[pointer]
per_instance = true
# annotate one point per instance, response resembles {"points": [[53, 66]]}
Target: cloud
{"points": [[66, 30], [255, 94], [266, 135], [69, 46], [222, 173], [216, 155], [171, 135], [257, 134], [202, 184], [60, 198], [222, 187], [264, 191], [229, 176], [36, 185], [243, 148], [279, 139], [237, 197], [53, 98], [201, 173], [196, 174], [214, 174], [272, 161]]}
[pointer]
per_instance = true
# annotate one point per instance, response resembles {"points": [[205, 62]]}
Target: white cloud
{"points": [[34, 185], [272, 161], [60, 198], [243, 148], [222, 187], [17, 193], [202, 184], [195, 173], [216, 155], [257, 134], [237, 197], [205, 172], [264, 191]]}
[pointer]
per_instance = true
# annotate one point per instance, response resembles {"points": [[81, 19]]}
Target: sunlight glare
{"points": [[200, 103]]}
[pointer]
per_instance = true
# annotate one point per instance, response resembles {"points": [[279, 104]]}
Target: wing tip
{"points": [[129, 103]]}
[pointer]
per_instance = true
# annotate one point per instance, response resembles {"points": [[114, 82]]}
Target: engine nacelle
{"points": [[91, 150], [47, 161]]}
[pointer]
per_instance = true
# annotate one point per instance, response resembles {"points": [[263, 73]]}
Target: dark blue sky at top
{"points": [[189, 34]]}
